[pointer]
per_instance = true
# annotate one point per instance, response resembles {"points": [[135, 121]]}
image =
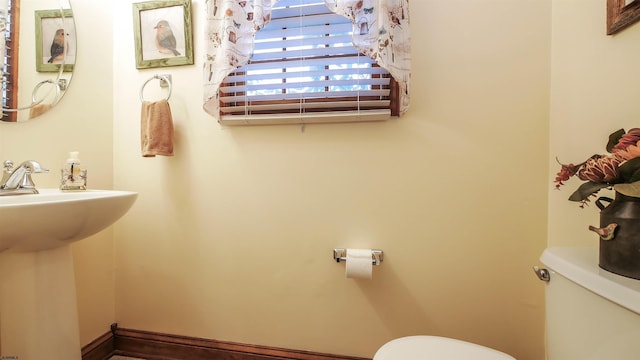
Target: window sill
{"points": [[309, 118]]}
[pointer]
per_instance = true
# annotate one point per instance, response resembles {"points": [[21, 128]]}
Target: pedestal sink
{"points": [[38, 310], [54, 218]]}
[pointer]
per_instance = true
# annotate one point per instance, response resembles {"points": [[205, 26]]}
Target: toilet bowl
{"points": [[422, 347]]}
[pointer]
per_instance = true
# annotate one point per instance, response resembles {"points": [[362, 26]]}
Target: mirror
{"points": [[39, 51]]}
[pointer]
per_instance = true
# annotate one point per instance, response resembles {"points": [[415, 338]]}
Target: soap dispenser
{"points": [[73, 176]]}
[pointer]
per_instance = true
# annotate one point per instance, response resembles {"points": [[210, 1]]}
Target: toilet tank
{"points": [[590, 313]]}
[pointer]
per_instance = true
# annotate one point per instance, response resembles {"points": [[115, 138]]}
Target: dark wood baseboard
{"points": [[155, 346], [101, 348]]}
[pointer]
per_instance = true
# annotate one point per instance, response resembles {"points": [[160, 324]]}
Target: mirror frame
{"points": [[621, 15]]}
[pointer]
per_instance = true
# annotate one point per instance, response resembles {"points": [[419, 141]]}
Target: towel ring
{"points": [[37, 87], [161, 78], [35, 102]]}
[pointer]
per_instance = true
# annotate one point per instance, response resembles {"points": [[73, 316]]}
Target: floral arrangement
{"points": [[618, 169]]}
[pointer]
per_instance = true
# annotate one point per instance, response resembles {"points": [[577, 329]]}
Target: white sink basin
{"points": [[54, 218]]}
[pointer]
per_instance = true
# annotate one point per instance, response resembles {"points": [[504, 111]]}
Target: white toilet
{"points": [[591, 314], [424, 347]]}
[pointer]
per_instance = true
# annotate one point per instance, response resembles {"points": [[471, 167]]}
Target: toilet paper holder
{"points": [[340, 254]]}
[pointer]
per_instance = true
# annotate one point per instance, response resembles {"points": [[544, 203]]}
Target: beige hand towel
{"points": [[38, 110], [156, 129]]}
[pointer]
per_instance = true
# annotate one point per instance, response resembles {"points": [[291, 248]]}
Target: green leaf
{"points": [[632, 189], [587, 189], [630, 171], [614, 138]]}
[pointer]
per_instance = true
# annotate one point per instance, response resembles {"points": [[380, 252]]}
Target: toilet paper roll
{"points": [[359, 264]]}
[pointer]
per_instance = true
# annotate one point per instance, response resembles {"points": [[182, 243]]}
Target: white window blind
{"points": [[10, 60], [305, 69]]}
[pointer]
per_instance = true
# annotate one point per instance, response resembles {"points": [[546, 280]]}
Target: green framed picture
{"points": [[162, 33], [55, 40]]}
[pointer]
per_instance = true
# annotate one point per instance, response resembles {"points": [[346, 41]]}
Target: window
{"points": [[304, 68], [10, 60]]}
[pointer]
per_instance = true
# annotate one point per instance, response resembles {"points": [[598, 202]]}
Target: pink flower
{"points": [[620, 166], [601, 169], [565, 173], [632, 151], [631, 138]]}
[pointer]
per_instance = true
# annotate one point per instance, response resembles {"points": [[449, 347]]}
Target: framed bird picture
{"points": [[162, 33], [55, 40]]}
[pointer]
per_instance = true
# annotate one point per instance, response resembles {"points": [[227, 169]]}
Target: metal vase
{"points": [[619, 235]]}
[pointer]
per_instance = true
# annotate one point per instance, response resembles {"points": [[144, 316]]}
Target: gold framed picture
{"points": [[162, 33]]}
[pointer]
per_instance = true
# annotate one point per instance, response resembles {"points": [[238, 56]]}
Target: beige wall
{"points": [[231, 239], [594, 93]]}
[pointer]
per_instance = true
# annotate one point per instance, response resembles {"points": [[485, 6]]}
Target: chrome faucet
{"points": [[18, 181]]}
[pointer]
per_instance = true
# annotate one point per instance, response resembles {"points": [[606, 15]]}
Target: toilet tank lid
{"points": [[424, 347], [580, 265]]}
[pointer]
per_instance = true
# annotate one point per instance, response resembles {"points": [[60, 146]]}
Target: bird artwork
{"points": [[165, 40], [57, 46]]}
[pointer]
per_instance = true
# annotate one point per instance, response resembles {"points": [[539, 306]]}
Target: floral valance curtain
{"points": [[380, 31]]}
